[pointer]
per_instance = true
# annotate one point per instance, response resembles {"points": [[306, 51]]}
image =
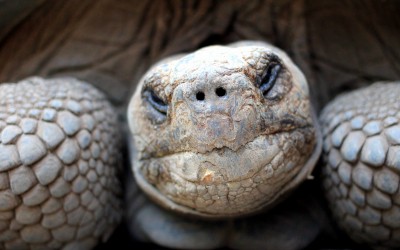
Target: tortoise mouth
{"points": [[226, 183]]}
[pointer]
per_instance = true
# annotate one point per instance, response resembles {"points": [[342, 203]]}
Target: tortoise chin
{"points": [[226, 182]]}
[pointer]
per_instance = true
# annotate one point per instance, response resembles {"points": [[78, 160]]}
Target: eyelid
{"points": [[267, 80], [155, 101], [269, 77], [156, 108]]}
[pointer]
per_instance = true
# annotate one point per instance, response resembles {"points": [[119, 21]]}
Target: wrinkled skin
{"points": [[339, 45], [227, 153]]}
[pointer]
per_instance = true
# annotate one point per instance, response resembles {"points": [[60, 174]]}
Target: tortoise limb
{"points": [[59, 158], [362, 163]]}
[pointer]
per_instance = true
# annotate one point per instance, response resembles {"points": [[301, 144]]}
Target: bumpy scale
{"points": [[362, 172], [58, 165]]}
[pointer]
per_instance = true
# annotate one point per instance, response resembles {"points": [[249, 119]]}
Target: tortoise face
{"points": [[222, 132]]}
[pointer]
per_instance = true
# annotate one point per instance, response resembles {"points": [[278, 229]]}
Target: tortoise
{"points": [[332, 63], [222, 133]]}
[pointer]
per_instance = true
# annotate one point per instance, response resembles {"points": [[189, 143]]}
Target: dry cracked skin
{"points": [[223, 132]]}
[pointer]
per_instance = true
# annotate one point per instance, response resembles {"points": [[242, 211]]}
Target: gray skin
{"points": [[200, 153], [224, 156]]}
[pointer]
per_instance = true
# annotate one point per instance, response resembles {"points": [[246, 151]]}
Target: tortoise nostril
{"points": [[220, 92], [200, 96]]}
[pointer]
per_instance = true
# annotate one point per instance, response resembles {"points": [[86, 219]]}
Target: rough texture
{"points": [[339, 45], [361, 175], [48, 199], [247, 146]]}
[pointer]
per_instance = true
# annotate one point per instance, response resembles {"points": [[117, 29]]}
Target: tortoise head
{"points": [[224, 131]]}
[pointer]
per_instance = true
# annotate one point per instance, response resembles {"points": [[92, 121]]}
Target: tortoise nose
{"points": [[212, 114], [208, 95]]}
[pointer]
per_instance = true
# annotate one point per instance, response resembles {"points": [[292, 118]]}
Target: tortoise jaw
{"points": [[206, 186]]}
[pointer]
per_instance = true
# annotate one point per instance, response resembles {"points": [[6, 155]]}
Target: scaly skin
{"points": [[58, 165], [362, 154], [223, 154]]}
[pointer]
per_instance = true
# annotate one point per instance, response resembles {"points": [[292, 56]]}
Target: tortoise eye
{"points": [[157, 107], [269, 77]]}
